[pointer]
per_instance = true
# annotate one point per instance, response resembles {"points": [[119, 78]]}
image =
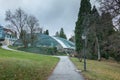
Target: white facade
{"points": [[10, 37]]}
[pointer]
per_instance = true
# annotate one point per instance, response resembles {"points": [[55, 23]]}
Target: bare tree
{"points": [[32, 23], [17, 20], [23, 24], [113, 7]]}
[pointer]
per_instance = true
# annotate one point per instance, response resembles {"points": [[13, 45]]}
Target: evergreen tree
{"points": [[62, 34], [72, 39], [46, 32], [84, 10], [93, 36]]}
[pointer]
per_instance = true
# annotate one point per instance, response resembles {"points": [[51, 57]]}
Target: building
{"points": [[7, 36], [49, 41], [2, 35]]}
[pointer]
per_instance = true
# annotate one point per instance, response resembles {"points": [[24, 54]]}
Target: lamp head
{"points": [[83, 36]]}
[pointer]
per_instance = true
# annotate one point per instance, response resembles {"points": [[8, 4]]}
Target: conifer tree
{"points": [[62, 34], [46, 32], [84, 10], [94, 39]]}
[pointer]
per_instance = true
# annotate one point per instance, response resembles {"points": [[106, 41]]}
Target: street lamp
{"points": [[84, 47]]}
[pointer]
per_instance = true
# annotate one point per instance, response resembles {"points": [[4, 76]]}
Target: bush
{"points": [[0, 44], [105, 55], [117, 56]]}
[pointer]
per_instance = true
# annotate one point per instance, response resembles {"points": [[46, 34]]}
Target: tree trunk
{"points": [[98, 49]]}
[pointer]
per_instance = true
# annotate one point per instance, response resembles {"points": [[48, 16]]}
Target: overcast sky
{"points": [[52, 14]]}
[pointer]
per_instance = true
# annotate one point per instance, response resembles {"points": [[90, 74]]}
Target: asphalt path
{"points": [[7, 48], [65, 70]]}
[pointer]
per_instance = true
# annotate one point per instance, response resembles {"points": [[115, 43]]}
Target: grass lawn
{"points": [[25, 66], [99, 70]]}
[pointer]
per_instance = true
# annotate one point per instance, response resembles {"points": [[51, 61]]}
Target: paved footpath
{"points": [[65, 70], [7, 48]]}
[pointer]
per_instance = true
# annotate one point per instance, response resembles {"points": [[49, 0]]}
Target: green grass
{"points": [[99, 70], [25, 66]]}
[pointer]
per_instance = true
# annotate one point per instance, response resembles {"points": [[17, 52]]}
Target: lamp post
{"points": [[84, 50]]}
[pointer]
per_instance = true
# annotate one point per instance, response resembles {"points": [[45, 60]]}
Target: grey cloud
{"points": [[52, 14]]}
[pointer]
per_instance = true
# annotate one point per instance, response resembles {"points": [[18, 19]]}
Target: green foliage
{"points": [[46, 32], [105, 30], [72, 39], [102, 39], [84, 11], [62, 34], [25, 66], [102, 28], [93, 38], [112, 46], [0, 44], [105, 55]]}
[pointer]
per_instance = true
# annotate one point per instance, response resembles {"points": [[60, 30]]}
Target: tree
{"points": [[18, 21], [72, 39], [84, 10], [110, 46], [46, 32], [93, 39], [113, 7], [113, 46], [22, 23], [106, 30], [100, 30], [62, 34], [32, 24], [25, 38]]}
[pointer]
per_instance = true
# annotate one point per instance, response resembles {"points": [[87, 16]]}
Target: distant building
{"points": [[7, 36], [2, 35]]}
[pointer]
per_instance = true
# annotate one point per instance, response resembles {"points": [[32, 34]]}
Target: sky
{"points": [[52, 14]]}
